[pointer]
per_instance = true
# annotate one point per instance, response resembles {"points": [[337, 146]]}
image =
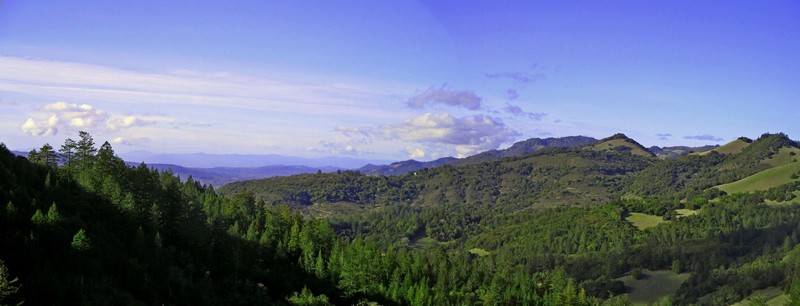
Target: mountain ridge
{"points": [[206, 160], [518, 148]]}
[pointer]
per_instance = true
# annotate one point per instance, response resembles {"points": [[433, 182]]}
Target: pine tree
{"points": [[8, 285], [39, 218], [85, 150], [47, 156], [81, 242], [52, 214], [107, 160], [68, 152]]}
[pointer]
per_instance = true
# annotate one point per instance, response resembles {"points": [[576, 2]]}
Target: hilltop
{"points": [[620, 142], [676, 151], [518, 148]]}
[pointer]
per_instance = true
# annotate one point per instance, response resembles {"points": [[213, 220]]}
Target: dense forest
{"points": [[551, 227]]}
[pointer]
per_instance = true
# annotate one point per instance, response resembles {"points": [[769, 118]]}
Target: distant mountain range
{"points": [[220, 169], [203, 160], [532, 145], [519, 148], [219, 176]]}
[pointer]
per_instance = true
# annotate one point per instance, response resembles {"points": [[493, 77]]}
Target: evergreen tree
{"points": [[39, 218], [52, 214], [8, 285], [84, 148], [68, 152], [81, 242], [47, 156]]}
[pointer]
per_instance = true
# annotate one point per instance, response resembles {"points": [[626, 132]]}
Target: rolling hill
{"points": [[764, 180], [518, 148], [676, 151], [587, 223], [735, 146], [620, 142]]}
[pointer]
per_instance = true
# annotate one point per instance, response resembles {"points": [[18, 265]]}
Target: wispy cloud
{"points": [[512, 94], [517, 111], [84, 82], [349, 131], [663, 136], [8, 102], [521, 78], [704, 137], [446, 95]]}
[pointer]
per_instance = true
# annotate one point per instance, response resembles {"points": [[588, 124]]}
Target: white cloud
{"points": [[71, 116], [342, 148], [415, 153], [130, 141], [464, 136], [445, 95], [41, 128]]}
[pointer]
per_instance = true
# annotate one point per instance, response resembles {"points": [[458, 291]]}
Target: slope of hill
{"points": [[534, 144], [518, 148], [764, 180], [690, 175], [754, 156], [735, 146], [620, 142], [784, 156], [675, 151], [546, 178], [403, 167]]}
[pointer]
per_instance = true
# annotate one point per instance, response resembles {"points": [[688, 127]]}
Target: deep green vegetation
{"points": [[552, 227]]}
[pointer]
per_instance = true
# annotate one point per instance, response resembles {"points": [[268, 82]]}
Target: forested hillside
{"points": [[95, 231], [558, 226], [574, 209]]}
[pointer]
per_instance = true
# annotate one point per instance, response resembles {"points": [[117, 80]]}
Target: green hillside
{"points": [[620, 142], [770, 178], [644, 221], [784, 156], [554, 227], [732, 147], [653, 286], [773, 296]]}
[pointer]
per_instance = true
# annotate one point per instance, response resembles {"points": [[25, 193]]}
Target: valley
{"points": [[606, 222]]}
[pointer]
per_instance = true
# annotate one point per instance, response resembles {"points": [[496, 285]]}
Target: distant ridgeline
{"points": [[557, 221], [519, 148], [530, 146]]}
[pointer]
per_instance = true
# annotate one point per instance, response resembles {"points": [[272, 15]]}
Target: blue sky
{"points": [[394, 79]]}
